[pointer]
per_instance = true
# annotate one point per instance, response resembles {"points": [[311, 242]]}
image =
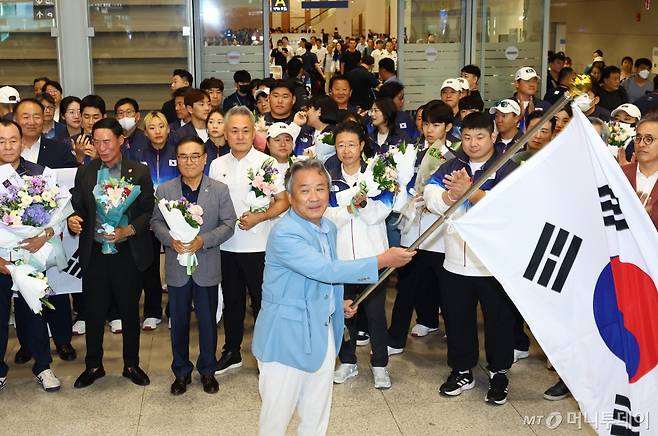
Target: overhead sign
{"points": [[280, 5], [233, 57], [43, 9], [325, 4], [511, 53]]}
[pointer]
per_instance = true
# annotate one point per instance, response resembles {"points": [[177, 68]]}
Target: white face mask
{"points": [[644, 74], [583, 102], [127, 123]]}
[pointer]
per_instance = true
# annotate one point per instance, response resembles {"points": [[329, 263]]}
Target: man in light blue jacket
{"points": [[300, 325]]}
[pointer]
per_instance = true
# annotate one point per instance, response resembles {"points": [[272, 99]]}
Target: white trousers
{"points": [[284, 389]]}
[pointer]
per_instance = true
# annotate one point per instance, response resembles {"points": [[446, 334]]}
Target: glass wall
{"points": [[434, 50], [509, 36], [27, 49], [231, 38], [136, 46]]}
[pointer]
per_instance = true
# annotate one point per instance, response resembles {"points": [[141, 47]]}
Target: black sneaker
{"points": [[559, 391], [362, 338], [497, 393], [458, 381], [229, 360]]}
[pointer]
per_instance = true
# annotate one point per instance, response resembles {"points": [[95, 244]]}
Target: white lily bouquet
{"points": [[404, 156], [620, 135], [29, 205], [184, 220], [32, 284]]}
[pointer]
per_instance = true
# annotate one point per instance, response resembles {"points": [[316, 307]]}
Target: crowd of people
{"points": [[337, 106]]}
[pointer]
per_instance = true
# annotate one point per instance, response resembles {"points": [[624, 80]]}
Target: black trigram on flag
{"points": [[612, 215], [560, 256], [73, 267], [623, 421]]}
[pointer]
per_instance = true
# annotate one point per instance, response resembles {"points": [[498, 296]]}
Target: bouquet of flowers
{"points": [[404, 156], [184, 220], [29, 205], [380, 179], [620, 135], [326, 146], [32, 284], [113, 197], [262, 185]]}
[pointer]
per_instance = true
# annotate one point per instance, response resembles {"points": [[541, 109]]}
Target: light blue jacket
{"points": [[292, 324]]}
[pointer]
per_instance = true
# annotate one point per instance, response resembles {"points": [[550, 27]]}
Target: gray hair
{"points": [[306, 164], [239, 110], [605, 133], [651, 117]]}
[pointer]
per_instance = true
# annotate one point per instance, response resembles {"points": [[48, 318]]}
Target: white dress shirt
{"points": [[233, 173], [645, 183], [31, 153]]}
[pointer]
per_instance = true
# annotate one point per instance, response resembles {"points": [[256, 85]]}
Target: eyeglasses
{"points": [[347, 146], [128, 113], [648, 139], [194, 158]]}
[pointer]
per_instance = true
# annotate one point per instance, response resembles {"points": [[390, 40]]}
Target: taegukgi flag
{"points": [[569, 240]]}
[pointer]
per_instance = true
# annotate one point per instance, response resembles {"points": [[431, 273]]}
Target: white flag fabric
{"points": [[69, 280], [569, 240]]}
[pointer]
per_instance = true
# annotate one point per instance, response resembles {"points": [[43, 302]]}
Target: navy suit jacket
{"points": [[54, 154]]}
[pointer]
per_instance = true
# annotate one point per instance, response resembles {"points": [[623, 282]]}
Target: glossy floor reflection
{"points": [[411, 407]]}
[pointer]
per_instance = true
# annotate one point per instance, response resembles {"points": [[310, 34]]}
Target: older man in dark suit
{"points": [[202, 286], [112, 276]]}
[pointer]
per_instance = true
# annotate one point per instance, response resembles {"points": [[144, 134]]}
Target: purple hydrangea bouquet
{"points": [[29, 205]]}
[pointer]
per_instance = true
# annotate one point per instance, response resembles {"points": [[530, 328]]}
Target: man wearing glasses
{"points": [[127, 113], [107, 277], [201, 287], [643, 171]]}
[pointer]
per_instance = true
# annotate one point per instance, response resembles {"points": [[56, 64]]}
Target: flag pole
{"points": [[580, 85]]}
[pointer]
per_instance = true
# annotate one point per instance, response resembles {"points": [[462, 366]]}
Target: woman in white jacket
{"points": [[361, 233]]}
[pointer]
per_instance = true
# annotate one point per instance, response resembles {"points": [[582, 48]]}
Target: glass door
{"points": [[509, 36], [433, 49], [136, 45], [27, 48]]}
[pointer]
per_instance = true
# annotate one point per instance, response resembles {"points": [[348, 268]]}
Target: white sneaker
{"points": [[48, 381], [115, 326], [79, 328], [345, 371], [151, 324], [382, 377], [362, 339], [419, 330], [519, 354], [393, 351], [3, 382]]}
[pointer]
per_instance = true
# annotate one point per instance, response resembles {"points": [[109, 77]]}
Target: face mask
{"points": [[583, 102], [127, 123], [644, 74], [244, 89]]}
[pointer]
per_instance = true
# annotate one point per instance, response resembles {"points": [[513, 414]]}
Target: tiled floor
{"points": [[411, 407]]}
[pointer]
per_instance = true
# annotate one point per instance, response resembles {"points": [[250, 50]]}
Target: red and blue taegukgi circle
{"points": [[626, 315]]}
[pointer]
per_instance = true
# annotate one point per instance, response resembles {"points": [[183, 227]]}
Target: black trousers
{"points": [[205, 308], [521, 339], [108, 277], [418, 287], [32, 329], [152, 284], [374, 309], [79, 305], [59, 321], [460, 296], [240, 271]]}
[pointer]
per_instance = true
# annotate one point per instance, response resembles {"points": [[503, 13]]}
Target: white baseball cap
{"points": [[452, 83], [526, 73], [465, 85], [598, 59], [630, 109], [277, 129], [9, 95], [506, 106], [259, 91]]}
